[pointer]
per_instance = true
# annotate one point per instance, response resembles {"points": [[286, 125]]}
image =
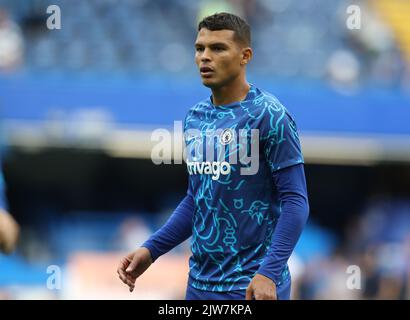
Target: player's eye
{"points": [[199, 49], [218, 49]]}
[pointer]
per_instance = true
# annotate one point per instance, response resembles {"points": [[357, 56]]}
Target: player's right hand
{"points": [[9, 232], [133, 265]]}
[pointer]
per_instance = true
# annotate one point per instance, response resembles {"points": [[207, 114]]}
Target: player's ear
{"points": [[247, 54]]}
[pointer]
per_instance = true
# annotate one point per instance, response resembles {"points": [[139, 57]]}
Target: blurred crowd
{"points": [[291, 39], [370, 261]]}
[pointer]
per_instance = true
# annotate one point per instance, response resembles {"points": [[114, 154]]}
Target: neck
{"points": [[233, 92]]}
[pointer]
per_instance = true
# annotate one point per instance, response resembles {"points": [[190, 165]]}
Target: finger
{"points": [[264, 296], [128, 277], [124, 262], [130, 283], [249, 293], [125, 276], [124, 279], [121, 270], [122, 273], [130, 280], [132, 266], [272, 294], [267, 295]]}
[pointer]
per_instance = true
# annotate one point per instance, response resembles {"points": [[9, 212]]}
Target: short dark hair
{"points": [[228, 21]]}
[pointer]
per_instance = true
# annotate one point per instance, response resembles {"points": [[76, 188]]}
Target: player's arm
{"points": [[177, 229], [291, 186], [284, 156]]}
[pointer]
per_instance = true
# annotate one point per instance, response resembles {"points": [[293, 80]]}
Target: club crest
{"points": [[226, 136]]}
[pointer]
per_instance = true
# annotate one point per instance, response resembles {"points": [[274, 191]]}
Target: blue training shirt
{"points": [[233, 204], [235, 214]]}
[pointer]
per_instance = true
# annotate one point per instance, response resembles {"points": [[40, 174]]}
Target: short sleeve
{"points": [[282, 147]]}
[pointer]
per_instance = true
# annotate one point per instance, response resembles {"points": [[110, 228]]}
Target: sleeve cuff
{"points": [[152, 251]]}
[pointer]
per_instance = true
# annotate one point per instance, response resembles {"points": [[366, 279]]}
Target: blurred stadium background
{"points": [[78, 105]]}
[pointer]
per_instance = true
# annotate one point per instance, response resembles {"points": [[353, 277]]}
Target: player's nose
{"points": [[205, 56]]}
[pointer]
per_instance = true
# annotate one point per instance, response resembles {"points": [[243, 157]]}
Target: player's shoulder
{"points": [[193, 112], [265, 99], [266, 105], [199, 106], [274, 106], [203, 104]]}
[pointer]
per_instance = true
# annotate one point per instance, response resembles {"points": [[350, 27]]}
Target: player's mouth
{"points": [[206, 72]]}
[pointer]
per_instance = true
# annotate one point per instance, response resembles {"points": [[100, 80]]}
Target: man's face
{"points": [[218, 57]]}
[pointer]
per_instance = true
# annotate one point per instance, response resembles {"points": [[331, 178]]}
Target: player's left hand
{"points": [[261, 288]]}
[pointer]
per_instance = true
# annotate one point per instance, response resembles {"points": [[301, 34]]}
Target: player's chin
{"points": [[210, 83]]}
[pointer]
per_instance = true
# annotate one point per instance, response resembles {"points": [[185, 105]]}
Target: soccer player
{"points": [[244, 227]]}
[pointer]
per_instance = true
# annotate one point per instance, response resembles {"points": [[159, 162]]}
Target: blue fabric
{"points": [[240, 223], [196, 294], [282, 293], [236, 213], [294, 206]]}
